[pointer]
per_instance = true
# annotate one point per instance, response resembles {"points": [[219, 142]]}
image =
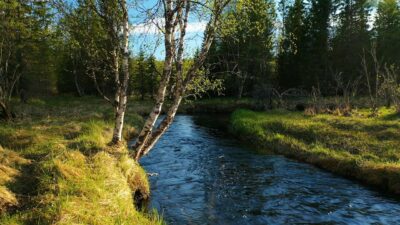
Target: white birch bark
{"points": [[147, 139], [121, 94]]}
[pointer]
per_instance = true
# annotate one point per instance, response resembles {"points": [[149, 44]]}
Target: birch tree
{"points": [[115, 20], [176, 16]]}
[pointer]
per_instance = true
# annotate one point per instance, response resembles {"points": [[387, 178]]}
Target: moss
{"points": [[358, 147], [79, 178]]}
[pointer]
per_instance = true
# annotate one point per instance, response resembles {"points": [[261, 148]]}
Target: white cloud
{"points": [[195, 27], [153, 27]]}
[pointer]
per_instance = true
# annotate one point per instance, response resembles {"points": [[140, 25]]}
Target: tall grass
{"points": [[360, 147], [64, 171]]}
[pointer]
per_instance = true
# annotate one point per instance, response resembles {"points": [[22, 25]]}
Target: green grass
{"points": [[56, 166], [216, 105], [360, 147]]}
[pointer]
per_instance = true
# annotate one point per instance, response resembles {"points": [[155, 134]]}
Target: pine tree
{"points": [[352, 37], [140, 78], [152, 76], [292, 46], [317, 44], [387, 26]]}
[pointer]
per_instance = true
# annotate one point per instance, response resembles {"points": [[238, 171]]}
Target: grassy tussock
{"points": [[78, 177], [360, 147], [9, 170]]}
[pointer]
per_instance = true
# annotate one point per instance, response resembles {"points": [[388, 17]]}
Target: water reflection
{"points": [[207, 178]]}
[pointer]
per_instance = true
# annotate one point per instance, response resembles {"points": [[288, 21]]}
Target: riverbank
{"points": [[358, 147], [56, 166], [216, 106]]}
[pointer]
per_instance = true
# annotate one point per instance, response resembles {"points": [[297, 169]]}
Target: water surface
{"points": [[205, 177]]}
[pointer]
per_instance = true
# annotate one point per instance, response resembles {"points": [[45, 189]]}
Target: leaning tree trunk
{"points": [[121, 98], [77, 86], [7, 115], [147, 129], [75, 73], [147, 138], [156, 111], [242, 82], [161, 129]]}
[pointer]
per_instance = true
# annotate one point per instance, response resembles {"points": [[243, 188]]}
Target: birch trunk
{"points": [[162, 128], [147, 138], [121, 98], [162, 90], [156, 111]]}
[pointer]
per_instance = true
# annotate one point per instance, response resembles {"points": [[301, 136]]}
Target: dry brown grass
{"points": [[9, 164]]}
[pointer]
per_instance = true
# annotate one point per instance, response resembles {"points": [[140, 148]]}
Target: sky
{"points": [[145, 35]]}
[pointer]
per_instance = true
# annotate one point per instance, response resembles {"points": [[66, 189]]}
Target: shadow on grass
{"points": [[391, 117], [25, 186]]}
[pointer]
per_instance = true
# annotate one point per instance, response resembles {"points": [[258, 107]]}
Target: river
{"points": [[207, 177]]}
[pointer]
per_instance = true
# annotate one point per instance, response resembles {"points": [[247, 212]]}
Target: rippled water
{"points": [[206, 178]]}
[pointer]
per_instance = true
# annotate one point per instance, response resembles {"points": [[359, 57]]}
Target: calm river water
{"points": [[205, 177]]}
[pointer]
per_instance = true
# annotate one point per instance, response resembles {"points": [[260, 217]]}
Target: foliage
{"points": [[352, 38], [242, 54], [145, 76], [387, 28], [86, 51], [292, 46], [25, 35]]}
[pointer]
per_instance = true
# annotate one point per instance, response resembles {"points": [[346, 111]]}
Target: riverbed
{"points": [[203, 176]]}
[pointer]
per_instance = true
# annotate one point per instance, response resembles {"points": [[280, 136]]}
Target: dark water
{"points": [[207, 178]]}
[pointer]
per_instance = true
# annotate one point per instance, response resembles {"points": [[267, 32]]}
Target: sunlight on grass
{"points": [[359, 146], [78, 178]]}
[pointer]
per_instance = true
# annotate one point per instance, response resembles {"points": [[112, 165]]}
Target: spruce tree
{"points": [[387, 26], [292, 46], [352, 38], [315, 72]]}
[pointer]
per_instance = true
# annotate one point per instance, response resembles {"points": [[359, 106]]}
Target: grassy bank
{"points": [[216, 105], [363, 148], [56, 166]]}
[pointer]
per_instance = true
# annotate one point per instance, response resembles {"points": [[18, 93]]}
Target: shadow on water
{"points": [[207, 177]]}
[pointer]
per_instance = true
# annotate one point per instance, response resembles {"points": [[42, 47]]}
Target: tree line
{"points": [[259, 44], [249, 47], [83, 46], [304, 44]]}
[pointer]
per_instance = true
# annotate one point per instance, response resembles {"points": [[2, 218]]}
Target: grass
{"points": [[56, 166], [360, 147], [216, 105], [10, 162]]}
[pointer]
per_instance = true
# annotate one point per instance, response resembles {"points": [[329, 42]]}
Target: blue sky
{"points": [[145, 34]]}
